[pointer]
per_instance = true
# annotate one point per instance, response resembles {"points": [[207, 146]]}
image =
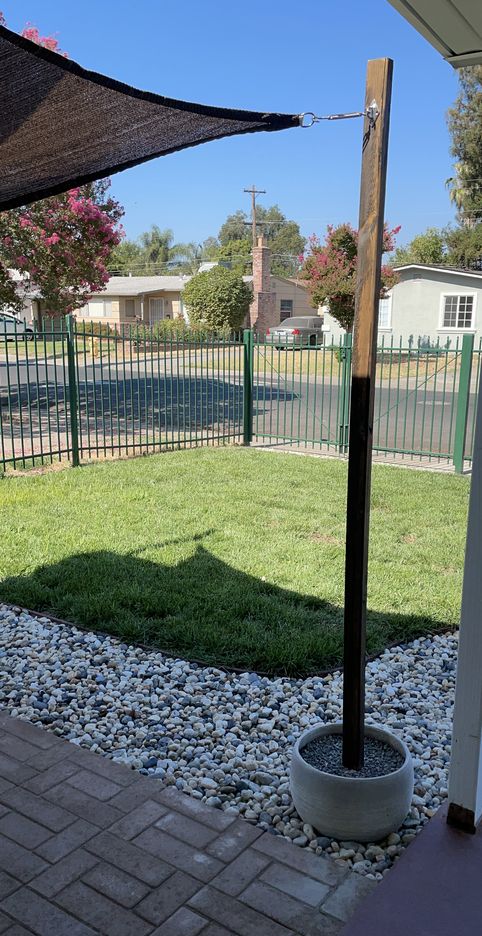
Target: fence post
{"points": [[346, 352], [73, 400], [463, 402], [248, 386]]}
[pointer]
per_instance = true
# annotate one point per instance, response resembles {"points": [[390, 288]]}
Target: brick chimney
{"points": [[262, 311]]}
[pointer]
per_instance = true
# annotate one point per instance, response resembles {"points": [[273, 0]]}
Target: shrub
{"points": [[217, 299]]}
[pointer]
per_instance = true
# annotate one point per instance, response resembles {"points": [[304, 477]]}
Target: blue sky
{"points": [[279, 56]]}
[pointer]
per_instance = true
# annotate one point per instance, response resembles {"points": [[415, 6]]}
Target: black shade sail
{"points": [[62, 126]]}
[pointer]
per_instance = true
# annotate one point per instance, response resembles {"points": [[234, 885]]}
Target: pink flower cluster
{"points": [[48, 42], [330, 269]]}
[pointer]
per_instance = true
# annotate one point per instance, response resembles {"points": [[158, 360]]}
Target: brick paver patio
{"points": [[89, 846]]}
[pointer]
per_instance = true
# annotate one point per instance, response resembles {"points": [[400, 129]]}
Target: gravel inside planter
{"points": [[325, 753]]}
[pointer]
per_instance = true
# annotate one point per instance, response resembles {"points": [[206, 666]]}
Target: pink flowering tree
{"points": [[330, 271], [60, 245]]}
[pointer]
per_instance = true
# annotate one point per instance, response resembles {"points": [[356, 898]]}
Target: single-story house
{"points": [[429, 304], [130, 299]]}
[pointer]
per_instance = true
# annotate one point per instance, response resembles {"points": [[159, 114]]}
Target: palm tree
{"points": [[157, 248], [188, 257]]}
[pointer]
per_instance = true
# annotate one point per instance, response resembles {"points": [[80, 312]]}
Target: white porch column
{"points": [[465, 782]]}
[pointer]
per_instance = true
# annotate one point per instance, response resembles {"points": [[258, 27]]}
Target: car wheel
{"points": [[312, 340]]}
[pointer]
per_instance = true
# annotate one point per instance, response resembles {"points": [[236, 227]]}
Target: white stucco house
{"points": [[429, 304]]}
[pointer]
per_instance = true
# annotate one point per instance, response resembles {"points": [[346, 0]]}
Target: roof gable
{"points": [[428, 268]]}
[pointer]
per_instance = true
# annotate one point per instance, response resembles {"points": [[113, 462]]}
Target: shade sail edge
{"points": [[62, 125]]}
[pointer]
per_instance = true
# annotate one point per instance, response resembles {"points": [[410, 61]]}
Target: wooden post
{"points": [[370, 240]]}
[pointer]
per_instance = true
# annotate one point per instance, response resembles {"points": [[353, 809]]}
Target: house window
{"points": [[458, 312], [384, 313], [130, 308], [99, 308], [286, 308]]}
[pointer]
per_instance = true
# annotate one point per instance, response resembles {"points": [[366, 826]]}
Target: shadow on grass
{"points": [[202, 609], [172, 403]]}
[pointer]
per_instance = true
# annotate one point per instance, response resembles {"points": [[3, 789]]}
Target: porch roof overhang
{"points": [[453, 27]]}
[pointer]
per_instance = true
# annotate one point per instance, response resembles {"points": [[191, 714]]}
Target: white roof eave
{"points": [[449, 271], [453, 27]]}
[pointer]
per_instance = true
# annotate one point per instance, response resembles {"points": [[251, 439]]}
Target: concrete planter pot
{"points": [[360, 809]]}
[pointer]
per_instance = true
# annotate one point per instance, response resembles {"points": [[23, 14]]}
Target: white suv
{"points": [[11, 327]]}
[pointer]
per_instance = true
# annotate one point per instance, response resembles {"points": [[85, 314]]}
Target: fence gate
{"points": [[302, 395], [424, 398]]}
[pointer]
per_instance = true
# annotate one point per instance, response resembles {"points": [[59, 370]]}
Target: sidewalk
{"points": [[88, 846]]}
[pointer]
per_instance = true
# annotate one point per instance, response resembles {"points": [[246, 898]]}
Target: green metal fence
{"points": [[75, 392], [424, 398]]}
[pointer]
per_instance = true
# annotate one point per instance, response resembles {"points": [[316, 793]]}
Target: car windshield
{"points": [[297, 323]]}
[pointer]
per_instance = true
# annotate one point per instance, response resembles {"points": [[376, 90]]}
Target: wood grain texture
{"points": [[370, 240]]}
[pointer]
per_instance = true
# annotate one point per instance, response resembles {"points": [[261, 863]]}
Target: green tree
{"points": [[464, 246], [210, 247], [287, 247], [218, 298], [238, 254], [428, 247], [282, 236], [235, 228], [157, 248], [188, 258], [126, 258], [465, 126], [153, 252]]}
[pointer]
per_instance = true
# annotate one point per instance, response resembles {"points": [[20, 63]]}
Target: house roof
{"points": [[282, 279], [144, 285], [453, 27], [140, 285], [477, 274], [294, 282]]}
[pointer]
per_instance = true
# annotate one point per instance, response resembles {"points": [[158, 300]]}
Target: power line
{"points": [[270, 222], [154, 270], [172, 263]]}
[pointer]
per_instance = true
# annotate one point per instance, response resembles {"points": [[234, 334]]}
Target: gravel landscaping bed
{"points": [[227, 738]]}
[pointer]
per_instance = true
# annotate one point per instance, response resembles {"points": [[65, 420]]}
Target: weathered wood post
{"points": [[370, 240]]}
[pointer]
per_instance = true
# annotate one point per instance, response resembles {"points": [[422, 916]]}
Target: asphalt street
{"points": [[135, 402]]}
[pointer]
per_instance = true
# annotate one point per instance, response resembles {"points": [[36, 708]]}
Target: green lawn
{"points": [[231, 556]]}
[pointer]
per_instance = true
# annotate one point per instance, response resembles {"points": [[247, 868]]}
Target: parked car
{"points": [[297, 332], [11, 326]]}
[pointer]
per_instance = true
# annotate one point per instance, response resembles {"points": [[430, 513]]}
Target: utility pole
{"points": [[253, 191]]}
